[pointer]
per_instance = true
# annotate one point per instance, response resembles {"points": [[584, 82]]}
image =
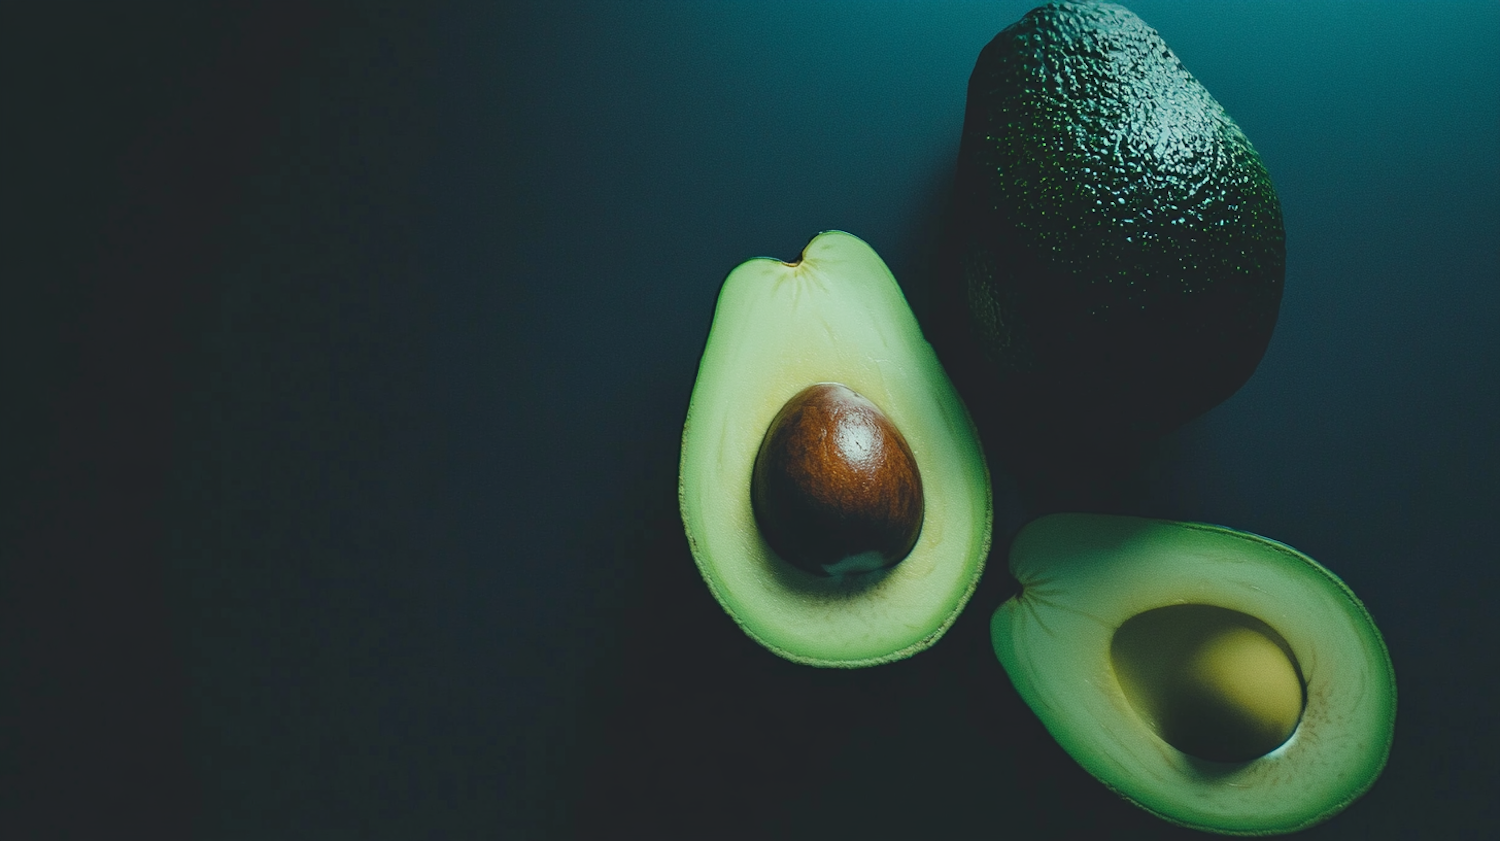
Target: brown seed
{"points": [[835, 487]]}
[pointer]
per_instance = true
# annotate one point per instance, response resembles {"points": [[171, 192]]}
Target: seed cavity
{"points": [[1212, 682]]}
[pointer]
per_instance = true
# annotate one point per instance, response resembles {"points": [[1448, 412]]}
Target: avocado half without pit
{"points": [[832, 486], [1218, 679]]}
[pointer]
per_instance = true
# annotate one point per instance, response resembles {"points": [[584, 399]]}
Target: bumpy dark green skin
{"points": [[1118, 249]]}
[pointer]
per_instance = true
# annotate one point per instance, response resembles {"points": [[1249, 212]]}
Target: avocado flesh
{"points": [[837, 315], [1117, 247], [1086, 575]]}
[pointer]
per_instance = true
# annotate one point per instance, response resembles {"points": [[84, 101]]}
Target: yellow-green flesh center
{"points": [[1212, 682]]}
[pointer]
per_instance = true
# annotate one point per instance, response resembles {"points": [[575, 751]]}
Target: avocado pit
{"points": [[835, 488]]}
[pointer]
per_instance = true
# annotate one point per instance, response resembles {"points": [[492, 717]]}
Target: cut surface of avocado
{"points": [[1119, 614], [835, 316]]}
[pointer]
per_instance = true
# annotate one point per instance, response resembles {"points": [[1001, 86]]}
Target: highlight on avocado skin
{"points": [[1216, 678], [1117, 246], [832, 486]]}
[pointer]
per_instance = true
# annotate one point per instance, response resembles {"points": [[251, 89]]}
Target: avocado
{"points": [[832, 486], [1221, 680], [1115, 248]]}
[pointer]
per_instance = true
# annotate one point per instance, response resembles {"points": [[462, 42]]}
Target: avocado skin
{"points": [[1116, 251]]}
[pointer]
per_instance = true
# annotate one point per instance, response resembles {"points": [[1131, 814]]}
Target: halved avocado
{"points": [[1105, 595], [835, 316]]}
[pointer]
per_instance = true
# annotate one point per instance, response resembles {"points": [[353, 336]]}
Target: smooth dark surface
{"points": [[348, 347]]}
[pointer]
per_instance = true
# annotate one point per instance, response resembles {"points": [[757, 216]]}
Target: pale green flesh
{"points": [[1085, 575], [835, 316]]}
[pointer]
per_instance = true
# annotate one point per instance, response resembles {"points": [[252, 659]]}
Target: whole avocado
{"points": [[1116, 248]]}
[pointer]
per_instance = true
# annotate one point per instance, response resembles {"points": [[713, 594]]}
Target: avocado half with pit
{"points": [[832, 485], [1221, 680]]}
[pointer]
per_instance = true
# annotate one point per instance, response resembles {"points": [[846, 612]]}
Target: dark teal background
{"points": [[348, 345]]}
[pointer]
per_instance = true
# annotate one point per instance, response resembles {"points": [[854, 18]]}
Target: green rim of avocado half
{"points": [[1084, 575], [835, 315]]}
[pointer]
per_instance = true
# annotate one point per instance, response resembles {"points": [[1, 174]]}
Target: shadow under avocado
{"points": [[695, 729], [1062, 459]]}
